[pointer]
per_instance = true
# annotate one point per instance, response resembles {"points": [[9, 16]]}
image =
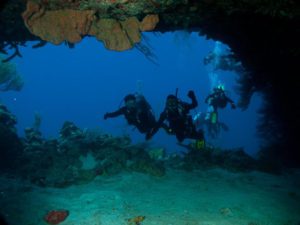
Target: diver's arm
{"points": [[114, 114], [194, 103], [231, 102]]}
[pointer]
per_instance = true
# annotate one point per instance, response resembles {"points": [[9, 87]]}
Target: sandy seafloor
{"points": [[210, 197]]}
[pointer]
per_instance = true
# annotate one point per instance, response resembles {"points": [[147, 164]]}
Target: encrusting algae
{"points": [[136, 220]]}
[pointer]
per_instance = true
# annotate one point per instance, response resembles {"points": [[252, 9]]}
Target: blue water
{"points": [[83, 83]]}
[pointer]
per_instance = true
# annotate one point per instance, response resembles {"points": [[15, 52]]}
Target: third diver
{"points": [[218, 99]]}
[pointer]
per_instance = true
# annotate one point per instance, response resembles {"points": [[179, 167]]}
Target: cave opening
{"points": [[262, 36], [61, 160], [83, 83]]}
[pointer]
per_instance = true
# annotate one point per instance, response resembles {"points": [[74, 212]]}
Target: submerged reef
{"points": [[78, 156], [236, 160], [75, 157], [10, 144], [262, 35]]}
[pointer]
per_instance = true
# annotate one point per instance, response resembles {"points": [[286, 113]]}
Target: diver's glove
{"points": [[191, 94], [170, 131], [105, 116]]}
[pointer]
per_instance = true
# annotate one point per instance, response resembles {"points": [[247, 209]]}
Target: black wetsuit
{"points": [[142, 118], [180, 122], [218, 100]]}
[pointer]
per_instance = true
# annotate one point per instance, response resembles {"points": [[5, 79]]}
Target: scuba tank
{"points": [[213, 117]]}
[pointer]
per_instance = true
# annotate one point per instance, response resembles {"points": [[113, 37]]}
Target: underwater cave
{"points": [[67, 64]]}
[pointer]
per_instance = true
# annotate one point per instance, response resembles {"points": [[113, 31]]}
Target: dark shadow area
{"points": [[2, 220]]}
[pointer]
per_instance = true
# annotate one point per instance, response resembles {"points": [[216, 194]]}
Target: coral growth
{"points": [[149, 22], [56, 216], [78, 156], [122, 35], [136, 220], [57, 26], [117, 35], [233, 159], [70, 25], [7, 119], [81, 155], [33, 141], [10, 144], [9, 78]]}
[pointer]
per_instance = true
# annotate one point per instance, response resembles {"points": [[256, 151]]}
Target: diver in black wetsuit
{"points": [[137, 112], [180, 122]]}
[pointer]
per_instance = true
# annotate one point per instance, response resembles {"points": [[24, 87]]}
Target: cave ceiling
{"points": [[263, 34], [250, 26]]}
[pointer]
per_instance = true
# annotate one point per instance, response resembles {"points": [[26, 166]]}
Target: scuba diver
{"points": [[217, 99], [137, 112], [225, 61], [180, 123]]}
